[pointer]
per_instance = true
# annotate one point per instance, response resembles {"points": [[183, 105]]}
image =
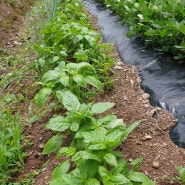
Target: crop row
{"points": [[160, 23], [74, 65]]}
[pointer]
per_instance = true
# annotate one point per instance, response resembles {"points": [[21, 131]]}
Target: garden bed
{"points": [[150, 140]]}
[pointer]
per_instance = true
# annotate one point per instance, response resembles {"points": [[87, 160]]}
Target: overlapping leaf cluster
{"points": [[71, 56], [71, 61], [11, 154], [160, 23]]}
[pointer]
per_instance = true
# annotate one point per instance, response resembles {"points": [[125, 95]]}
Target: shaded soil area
{"points": [[11, 18], [149, 140]]}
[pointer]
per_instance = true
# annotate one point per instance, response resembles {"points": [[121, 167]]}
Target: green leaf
{"points": [[94, 82], [53, 144], [59, 36], [140, 16], [110, 121], [58, 123], [72, 68], [117, 122], [111, 179], [121, 168], [140, 177], [103, 172], [70, 101], [75, 177], [58, 181], [110, 159], [74, 126], [92, 181], [136, 161], [120, 179], [106, 120], [85, 69], [34, 119], [80, 80], [149, 33], [55, 59], [182, 29], [50, 75], [129, 129], [63, 168], [77, 38], [114, 136], [89, 168], [42, 96], [67, 151], [94, 136], [81, 55], [101, 107], [59, 95], [97, 146], [38, 48], [64, 80], [90, 39], [84, 155], [63, 53], [95, 140]]}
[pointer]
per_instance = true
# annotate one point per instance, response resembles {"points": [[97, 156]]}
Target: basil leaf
{"points": [[110, 159], [140, 177], [92, 181], [58, 123], [70, 101], [42, 96], [80, 80], [53, 144], [84, 155], [63, 168], [101, 107], [94, 82]]}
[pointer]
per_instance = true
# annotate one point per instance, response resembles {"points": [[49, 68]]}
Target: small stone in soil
{"points": [[41, 145], [147, 137], [145, 96], [139, 143], [155, 164]]}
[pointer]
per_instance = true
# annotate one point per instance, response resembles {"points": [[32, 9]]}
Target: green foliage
{"points": [[73, 77], [79, 117], [71, 61], [40, 14], [94, 141], [181, 174], [69, 38], [11, 154], [159, 23]]}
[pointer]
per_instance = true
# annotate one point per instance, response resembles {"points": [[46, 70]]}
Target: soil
{"points": [[149, 140]]}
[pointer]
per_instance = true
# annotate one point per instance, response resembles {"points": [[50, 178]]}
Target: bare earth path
{"points": [[150, 140]]}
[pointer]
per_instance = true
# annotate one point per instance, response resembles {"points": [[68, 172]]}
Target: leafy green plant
{"points": [[11, 154], [72, 42], [70, 59], [181, 174], [51, 7], [159, 23], [71, 77], [78, 118], [94, 141], [39, 16], [90, 172]]}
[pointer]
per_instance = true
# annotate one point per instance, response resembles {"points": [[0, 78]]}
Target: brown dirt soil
{"points": [[149, 140], [12, 17]]}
